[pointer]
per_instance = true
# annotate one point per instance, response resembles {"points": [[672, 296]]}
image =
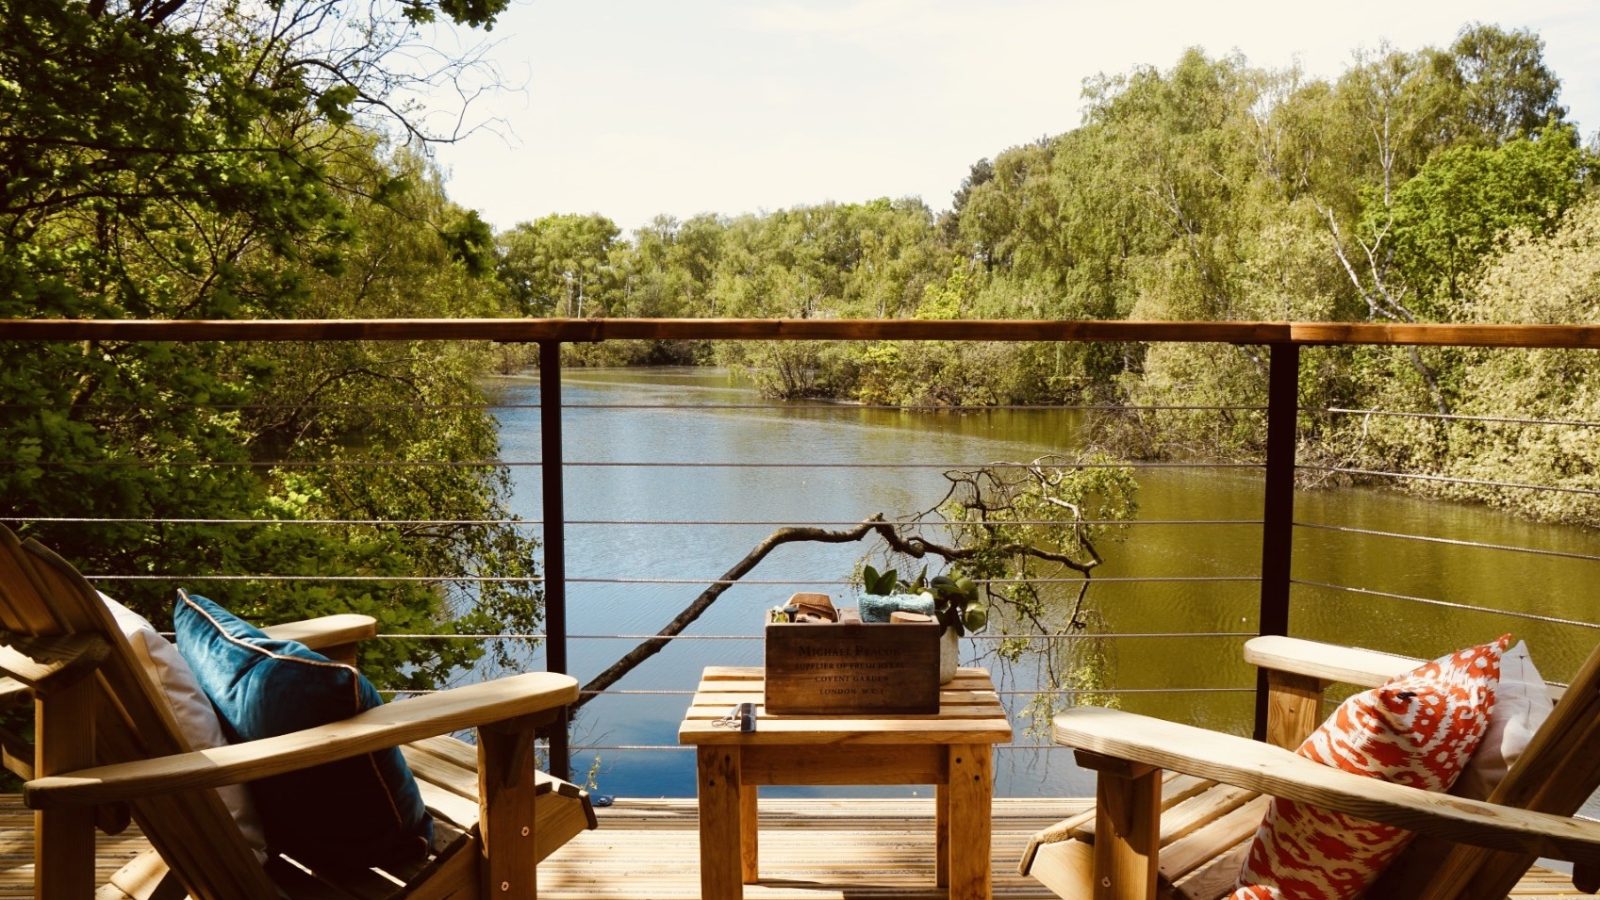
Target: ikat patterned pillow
{"points": [[1418, 729]]}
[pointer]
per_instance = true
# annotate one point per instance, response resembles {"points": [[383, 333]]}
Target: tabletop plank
{"points": [[970, 712], [719, 710], [714, 695]]}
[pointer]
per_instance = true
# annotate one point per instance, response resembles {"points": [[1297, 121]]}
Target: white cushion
{"points": [[197, 720], [1521, 704]]}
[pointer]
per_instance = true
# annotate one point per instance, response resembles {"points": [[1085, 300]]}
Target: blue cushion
{"points": [[362, 811]]}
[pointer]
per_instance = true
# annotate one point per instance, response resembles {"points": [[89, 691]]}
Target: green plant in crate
{"points": [[955, 598], [956, 605], [887, 582]]}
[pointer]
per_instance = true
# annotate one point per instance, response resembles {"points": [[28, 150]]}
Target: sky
{"points": [[635, 108]]}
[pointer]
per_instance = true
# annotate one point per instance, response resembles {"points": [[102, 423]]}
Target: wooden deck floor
{"points": [[648, 850]]}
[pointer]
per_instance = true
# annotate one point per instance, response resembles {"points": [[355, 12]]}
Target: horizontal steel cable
{"points": [[1447, 479], [1458, 417], [890, 407], [590, 748], [1006, 693], [1017, 693], [598, 464], [842, 406], [768, 523], [495, 579], [474, 579], [1106, 579], [1428, 601], [1455, 542], [758, 637]]}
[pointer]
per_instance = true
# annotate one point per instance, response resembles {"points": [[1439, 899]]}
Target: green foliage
{"points": [[560, 265], [1447, 219], [1012, 540], [1505, 88], [1023, 530], [1543, 279], [1536, 278], [185, 160], [880, 584], [956, 603]]}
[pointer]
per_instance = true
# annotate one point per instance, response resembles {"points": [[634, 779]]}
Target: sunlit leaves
{"points": [[1445, 221], [196, 164]]}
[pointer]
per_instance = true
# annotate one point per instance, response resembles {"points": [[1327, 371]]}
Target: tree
{"points": [[1445, 221], [997, 200], [1506, 90], [183, 159], [1489, 89], [1521, 413], [560, 265], [194, 131], [981, 173]]}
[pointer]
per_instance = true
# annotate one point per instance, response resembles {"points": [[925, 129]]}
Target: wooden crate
{"points": [[852, 668]]}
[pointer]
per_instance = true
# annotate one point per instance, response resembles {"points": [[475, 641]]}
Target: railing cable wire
{"points": [[1455, 542], [1458, 417], [1446, 479], [1446, 604]]}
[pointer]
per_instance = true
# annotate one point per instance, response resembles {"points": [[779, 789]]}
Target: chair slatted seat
{"points": [[1205, 825], [104, 736]]}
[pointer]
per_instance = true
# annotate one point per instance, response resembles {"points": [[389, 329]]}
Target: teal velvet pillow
{"points": [[357, 812]]}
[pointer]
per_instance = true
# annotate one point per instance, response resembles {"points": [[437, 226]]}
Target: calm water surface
{"points": [[611, 567]]}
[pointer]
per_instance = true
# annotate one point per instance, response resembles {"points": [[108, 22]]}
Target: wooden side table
{"points": [[952, 750]]}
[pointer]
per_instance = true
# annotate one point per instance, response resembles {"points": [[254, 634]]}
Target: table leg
{"points": [[721, 825], [941, 835], [971, 791], [749, 853]]}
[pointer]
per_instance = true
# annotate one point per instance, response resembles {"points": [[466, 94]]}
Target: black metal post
{"points": [[1277, 529], [555, 542]]}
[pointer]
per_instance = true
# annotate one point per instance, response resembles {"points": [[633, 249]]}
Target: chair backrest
{"points": [[1558, 771], [42, 595]]}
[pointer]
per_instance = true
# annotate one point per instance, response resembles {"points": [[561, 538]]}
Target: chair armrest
{"points": [[1273, 770], [14, 693], [47, 662], [1331, 662], [326, 631], [388, 725], [1326, 662]]}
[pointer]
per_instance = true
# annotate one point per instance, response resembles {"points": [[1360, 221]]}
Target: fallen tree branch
{"points": [[651, 646], [974, 485]]}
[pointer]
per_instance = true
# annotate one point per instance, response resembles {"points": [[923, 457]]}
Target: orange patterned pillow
{"points": [[1418, 729]]}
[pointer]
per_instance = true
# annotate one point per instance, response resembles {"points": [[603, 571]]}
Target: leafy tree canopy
{"points": [[182, 159]]}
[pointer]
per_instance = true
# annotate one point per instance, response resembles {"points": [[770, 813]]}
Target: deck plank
{"points": [[817, 849]]}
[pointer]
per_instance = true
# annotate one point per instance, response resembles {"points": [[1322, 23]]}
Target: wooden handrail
{"points": [[590, 330], [1575, 337]]}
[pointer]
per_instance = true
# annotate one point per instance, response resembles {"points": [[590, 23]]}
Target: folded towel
{"points": [[876, 607]]}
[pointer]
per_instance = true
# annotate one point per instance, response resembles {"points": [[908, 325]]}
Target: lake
{"points": [[631, 579]]}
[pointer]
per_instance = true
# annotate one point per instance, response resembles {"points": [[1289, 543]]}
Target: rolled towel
{"points": [[876, 607]]}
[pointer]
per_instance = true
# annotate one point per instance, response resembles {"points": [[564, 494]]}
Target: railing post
{"points": [[1277, 527], [555, 543]]}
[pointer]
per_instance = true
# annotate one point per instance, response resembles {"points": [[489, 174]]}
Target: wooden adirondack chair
{"points": [[1181, 804], [104, 739]]}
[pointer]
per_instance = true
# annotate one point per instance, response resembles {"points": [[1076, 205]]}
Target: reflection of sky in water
{"points": [[844, 434]]}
